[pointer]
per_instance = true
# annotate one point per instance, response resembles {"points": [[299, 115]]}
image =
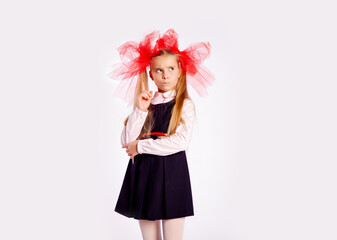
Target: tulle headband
{"points": [[136, 58]]}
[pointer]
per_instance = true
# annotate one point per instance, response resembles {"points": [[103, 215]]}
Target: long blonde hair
{"points": [[181, 95]]}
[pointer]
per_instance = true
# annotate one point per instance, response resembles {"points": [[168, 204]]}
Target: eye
{"points": [[158, 70], [172, 68]]}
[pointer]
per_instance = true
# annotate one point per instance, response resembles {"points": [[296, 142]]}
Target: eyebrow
{"points": [[168, 67]]}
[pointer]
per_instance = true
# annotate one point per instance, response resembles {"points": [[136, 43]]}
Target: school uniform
{"points": [[157, 185]]}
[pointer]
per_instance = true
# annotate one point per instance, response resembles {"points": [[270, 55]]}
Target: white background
{"points": [[263, 154]]}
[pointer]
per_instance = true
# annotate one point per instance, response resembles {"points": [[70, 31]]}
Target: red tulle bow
{"points": [[136, 58]]}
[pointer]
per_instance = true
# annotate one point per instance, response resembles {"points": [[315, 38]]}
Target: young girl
{"points": [[156, 134]]}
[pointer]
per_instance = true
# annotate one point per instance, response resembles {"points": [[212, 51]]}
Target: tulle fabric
{"points": [[197, 75], [136, 58]]}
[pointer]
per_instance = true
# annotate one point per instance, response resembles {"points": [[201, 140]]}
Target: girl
{"points": [[156, 185]]}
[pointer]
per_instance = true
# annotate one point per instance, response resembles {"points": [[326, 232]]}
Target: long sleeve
{"points": [[177, 142], [133, 126]]}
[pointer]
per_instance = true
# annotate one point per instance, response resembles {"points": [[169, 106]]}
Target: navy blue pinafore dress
{"points": [[157, 187]]}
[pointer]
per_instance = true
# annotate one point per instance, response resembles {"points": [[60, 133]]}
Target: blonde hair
{"points": [[181, 95]]}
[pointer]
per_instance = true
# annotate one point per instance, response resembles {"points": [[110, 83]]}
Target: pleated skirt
{"points": [[156, 187]]}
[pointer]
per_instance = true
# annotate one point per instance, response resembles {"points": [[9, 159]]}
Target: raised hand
{"points": [[144, 99]]}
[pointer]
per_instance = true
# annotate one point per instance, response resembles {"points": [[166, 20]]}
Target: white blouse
{"points": [[162, 146]]}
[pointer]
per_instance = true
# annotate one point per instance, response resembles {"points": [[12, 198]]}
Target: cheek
{"points": [[154, 75]]}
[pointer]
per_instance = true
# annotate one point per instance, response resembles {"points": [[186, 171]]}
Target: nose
{"points": [[165, 75]]}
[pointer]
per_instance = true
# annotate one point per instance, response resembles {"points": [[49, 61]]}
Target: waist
{"points": [[153, 134]]}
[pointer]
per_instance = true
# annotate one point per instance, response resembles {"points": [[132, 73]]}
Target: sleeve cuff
{"points": [[143, 114], [139, 149]]}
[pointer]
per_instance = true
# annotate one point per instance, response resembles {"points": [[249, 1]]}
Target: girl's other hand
{"points": [[144, 99], [131, 149]]}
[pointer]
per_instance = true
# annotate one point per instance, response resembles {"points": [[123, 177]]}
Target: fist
{"points": [[144, 99]]}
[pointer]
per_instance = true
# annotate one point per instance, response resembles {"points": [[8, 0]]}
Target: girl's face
{"points": [[165, 72]]}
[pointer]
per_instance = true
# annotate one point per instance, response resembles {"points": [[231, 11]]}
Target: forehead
{"points": [[164, 61]]}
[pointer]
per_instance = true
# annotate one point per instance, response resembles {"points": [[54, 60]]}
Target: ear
{"points": [[150, 75]]}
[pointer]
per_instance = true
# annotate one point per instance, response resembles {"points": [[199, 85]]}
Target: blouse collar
{"points": [[163, 97]]}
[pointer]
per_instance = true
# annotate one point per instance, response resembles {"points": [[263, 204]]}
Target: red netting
{"points": [[136, 57]]}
